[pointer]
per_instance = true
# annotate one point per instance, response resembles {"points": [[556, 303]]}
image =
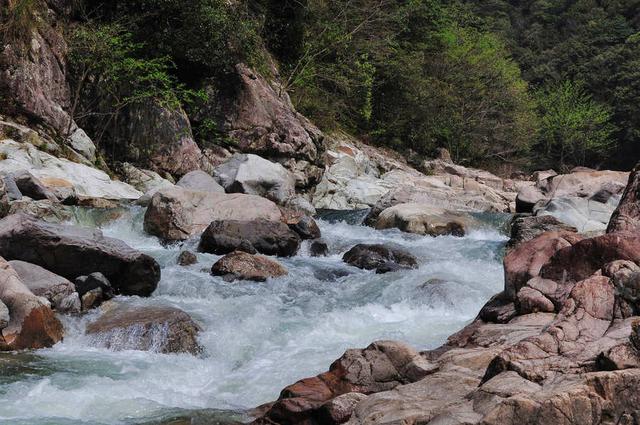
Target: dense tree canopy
{"points": [[536, 84]]}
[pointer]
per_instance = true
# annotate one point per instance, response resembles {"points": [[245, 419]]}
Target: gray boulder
{"points": [[200, 181], [381, 258], [74, 251], [60, 292], [253, 175]]}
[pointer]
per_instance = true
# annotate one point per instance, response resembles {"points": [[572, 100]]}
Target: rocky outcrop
{"points": [[32, 324], [423, 219], [584, 199], [177, 214], [55, 172], [155, 137], [60, 292], [525, 228], [157, 329], [627, 215], [73, 251], [257, 236], [382, 366], [260, 117], [242, 266], [254, 175], [143, 180], [34, 80], [201, 181], [380, 258]]}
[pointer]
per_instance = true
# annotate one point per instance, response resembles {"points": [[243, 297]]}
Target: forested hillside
{"points": [[501, 84]]}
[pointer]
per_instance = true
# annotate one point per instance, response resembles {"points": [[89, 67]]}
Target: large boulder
{"points": [[423, 219], [525, 228], [30, 186], [584, 198], [253, 175], [263, 236], [143, 180], [60, 292], [157, 329], [380, 258], [32, 323], [583, 258], [259, 116], [627, 215], [200, 181], [381, 366], [177, 214], [73, 251], [242, 266], [525, 261], [86, 181], [4, 198]]}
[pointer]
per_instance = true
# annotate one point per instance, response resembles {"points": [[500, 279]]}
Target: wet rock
{"points": [[52, 212], [200, 181], [527, 199], [93, 299], [60, 292], [4, 316], [242, 266], [93, 281], [627, 215], [72, 251], [253, 175], [422, 219], [319, 249], [187, 258], [306, 227], [379, 257], [157, 329], [32, 323], [32, 187], [326, 274], [524, 229], [176, 214], [263, 236]]}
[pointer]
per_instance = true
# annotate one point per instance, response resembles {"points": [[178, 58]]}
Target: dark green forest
{"points": [[505, 84]]}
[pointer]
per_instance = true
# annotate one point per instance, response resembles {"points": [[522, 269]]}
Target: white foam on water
{"points": [[258, 337]]}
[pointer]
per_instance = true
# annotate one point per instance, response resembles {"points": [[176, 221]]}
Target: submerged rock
{"points": [[157, 329], [72, 251], [263, 236], [379, 257], [32, 323], [60, 292], [242, 266], [187, 258], [176, 214], [319, 249]]}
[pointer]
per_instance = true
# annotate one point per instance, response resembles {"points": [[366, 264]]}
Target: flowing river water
{"points": [[258, 337]]}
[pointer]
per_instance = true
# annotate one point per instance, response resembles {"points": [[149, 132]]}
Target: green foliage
{"points": [[110, 73], [575, 129], [407, 75], [202, 37]]}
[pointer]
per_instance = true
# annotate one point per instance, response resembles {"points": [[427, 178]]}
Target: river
{"points": [[258, 337]]}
